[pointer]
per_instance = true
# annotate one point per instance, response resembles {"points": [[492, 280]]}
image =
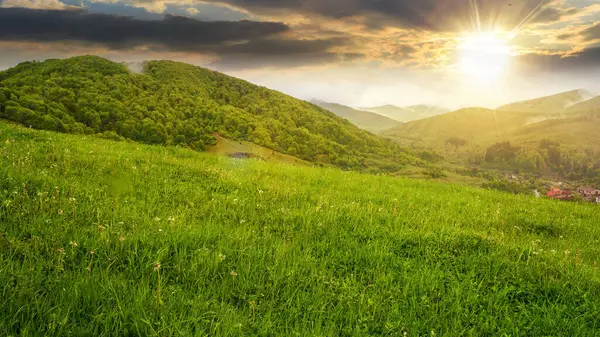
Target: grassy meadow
{"points": [[116, 238]]}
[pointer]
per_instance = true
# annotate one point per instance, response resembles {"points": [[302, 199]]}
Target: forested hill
{"points": [[178, 104]]}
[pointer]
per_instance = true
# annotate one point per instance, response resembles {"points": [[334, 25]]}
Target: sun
{"points": [[484, 58]]}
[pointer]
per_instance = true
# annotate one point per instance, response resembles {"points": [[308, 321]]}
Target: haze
{"points": [[359, 53]]}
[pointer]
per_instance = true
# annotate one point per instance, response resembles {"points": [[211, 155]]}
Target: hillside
{"points": [[363, 119], [178, 104], [574, 132], [592, 104], [555, 147], [549, 105], [469, 124], [407, 114], [113, 238]]}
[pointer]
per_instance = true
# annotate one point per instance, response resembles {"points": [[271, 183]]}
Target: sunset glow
{"points": [[484, 57]]}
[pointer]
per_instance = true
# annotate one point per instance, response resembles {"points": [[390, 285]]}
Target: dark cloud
{"points": [[239, 61], [279, 47], [284, 53], [236, 44], [174, 33], [592, 33], [585, 60], [422, 14], [552, 14]]}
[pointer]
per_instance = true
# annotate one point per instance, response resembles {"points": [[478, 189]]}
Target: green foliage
{"points": [[435, 172], [248, 248], [178, 104], [501, 152], [456, 141], [506, 186]]}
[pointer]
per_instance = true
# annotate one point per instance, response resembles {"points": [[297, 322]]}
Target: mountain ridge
{"points": [[551, 104], [366, 120], [174, 103], [408, 113]]}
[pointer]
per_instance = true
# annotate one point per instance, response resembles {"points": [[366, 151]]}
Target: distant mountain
{"points": [[469, 124], [586, 106], [581, 132], [550, 105], [479, 126], [363, 119], [426, 111], [407, 114]]}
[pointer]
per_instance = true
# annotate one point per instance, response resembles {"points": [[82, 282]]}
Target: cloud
{"points": [[34, 4], [270, 52], [174, 33], [554, 14], [583, 60], [592, 33], [233, 44], [193, 11], [421, 14]]}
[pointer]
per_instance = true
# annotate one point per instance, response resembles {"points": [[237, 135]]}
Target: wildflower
{"points": [[61, 250], [235, 201], [160, 229], [395, 200], [92, 252], [60, 212], [101, 228], [121, 238], [222, 257], [73, 244], [171, 218], [567, 252], [233, 273], [72, 200], [157, 219], [242, 221], [379, 210], [156, 266], [260, 192]]}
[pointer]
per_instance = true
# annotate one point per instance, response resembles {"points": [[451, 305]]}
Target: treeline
{"points": [[549, 155], [178, 104]]}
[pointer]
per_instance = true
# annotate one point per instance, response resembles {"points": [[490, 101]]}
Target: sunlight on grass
{"points": [[193, 244]]}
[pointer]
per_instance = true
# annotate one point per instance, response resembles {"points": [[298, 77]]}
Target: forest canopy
{"points": [[174, 103]]}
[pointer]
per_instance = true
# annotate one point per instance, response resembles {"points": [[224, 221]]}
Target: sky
{"points": [[449, 53]]}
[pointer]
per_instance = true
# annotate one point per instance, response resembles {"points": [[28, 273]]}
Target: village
{"points": [[588, 194]]}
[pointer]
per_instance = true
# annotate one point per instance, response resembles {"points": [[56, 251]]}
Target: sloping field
{"points": [[114, 238]]}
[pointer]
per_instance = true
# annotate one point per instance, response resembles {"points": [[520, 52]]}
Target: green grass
{"points": [[226, 147], [317, 252]]}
